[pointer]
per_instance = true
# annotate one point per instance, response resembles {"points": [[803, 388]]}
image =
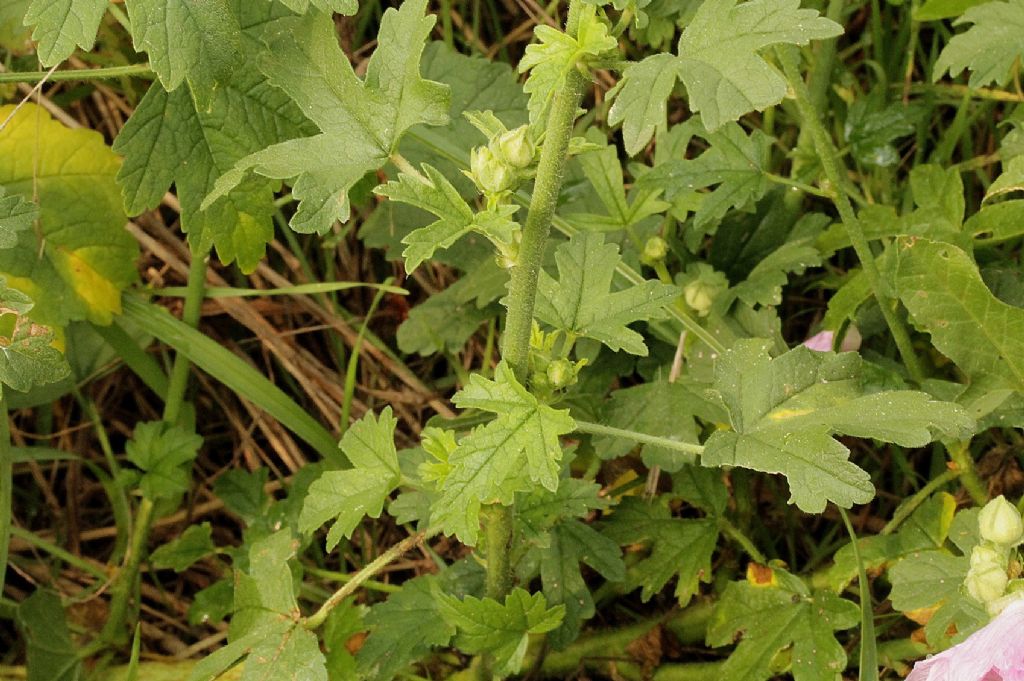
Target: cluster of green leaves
{"points": [[658, 343]]}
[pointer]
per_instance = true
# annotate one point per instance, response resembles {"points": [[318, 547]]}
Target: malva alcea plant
{"points": [[666, 226]]}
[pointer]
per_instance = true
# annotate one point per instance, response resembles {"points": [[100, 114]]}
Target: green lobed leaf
{"points": [[550, 60], [989, 47], [784, 412], [719, 60], [194, 544], [539, 510], [79, 259], [265, 628], [945, 295], [500, 629], [361, 120], [580, 303], [170, 140], [571, 544], [165, 452], [777, 614], [455, 217], [519, 447], [61, 25], [763, 285], [403, 629], [341, 6], [642, 100], [736, 165], [14, 35], [194, 40], [680, 548], [347, 496]]}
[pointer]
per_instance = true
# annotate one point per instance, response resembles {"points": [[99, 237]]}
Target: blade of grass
{"points": [[230, 370], [868, 670]]}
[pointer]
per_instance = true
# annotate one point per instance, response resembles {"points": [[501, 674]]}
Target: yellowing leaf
{"points": [[77, 258]]}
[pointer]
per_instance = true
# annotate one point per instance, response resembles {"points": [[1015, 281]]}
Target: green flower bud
{"points": [[1000, 522], [700, 296], [987, 582], [489, 173], [516, 147], [655, 250], [561, 373], [984, 556]]}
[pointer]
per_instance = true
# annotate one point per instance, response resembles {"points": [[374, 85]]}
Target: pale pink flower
{"points": [[993, 653], [822, 342]]}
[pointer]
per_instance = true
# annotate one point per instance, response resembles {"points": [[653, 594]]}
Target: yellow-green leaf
{"points": [[78, 258]]}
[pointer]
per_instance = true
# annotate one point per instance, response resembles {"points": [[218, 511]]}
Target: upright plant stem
{"points": [[834, 173], [515, 348], [125, 586], [6, 488], [523, 287]]}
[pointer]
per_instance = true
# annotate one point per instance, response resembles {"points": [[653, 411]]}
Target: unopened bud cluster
{"points": [[550, 370], [501, 165], [988, 580], [702, 285]]}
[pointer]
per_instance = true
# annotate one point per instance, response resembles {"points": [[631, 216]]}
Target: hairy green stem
{"points": [[77, 74], [523, 286], [831, 165], [743, 540], [498, 538]]}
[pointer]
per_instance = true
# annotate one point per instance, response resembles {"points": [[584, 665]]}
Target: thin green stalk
{"points": [[58, 552], [598, 429], [125, 586], [907, 508], [743, 540], [77, 74], [353, 359], [194, 294], [6, 488], [960, 454], [831, 165], [868, 669], [376, 565]]}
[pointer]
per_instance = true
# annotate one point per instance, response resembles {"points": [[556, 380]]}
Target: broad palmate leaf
{"points": [[771, 611], [349, 495], [164, 452], [989, 48], [720, 63], [169, 140], [680, 547], [785, 411], [736, 165], [361, 120], [403, 629], [79, 259], [518, 448], [943, 290], [501, 629], [580, 303]]}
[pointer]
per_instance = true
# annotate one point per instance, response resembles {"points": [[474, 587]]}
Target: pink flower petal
{"points": [[993, 653]]}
